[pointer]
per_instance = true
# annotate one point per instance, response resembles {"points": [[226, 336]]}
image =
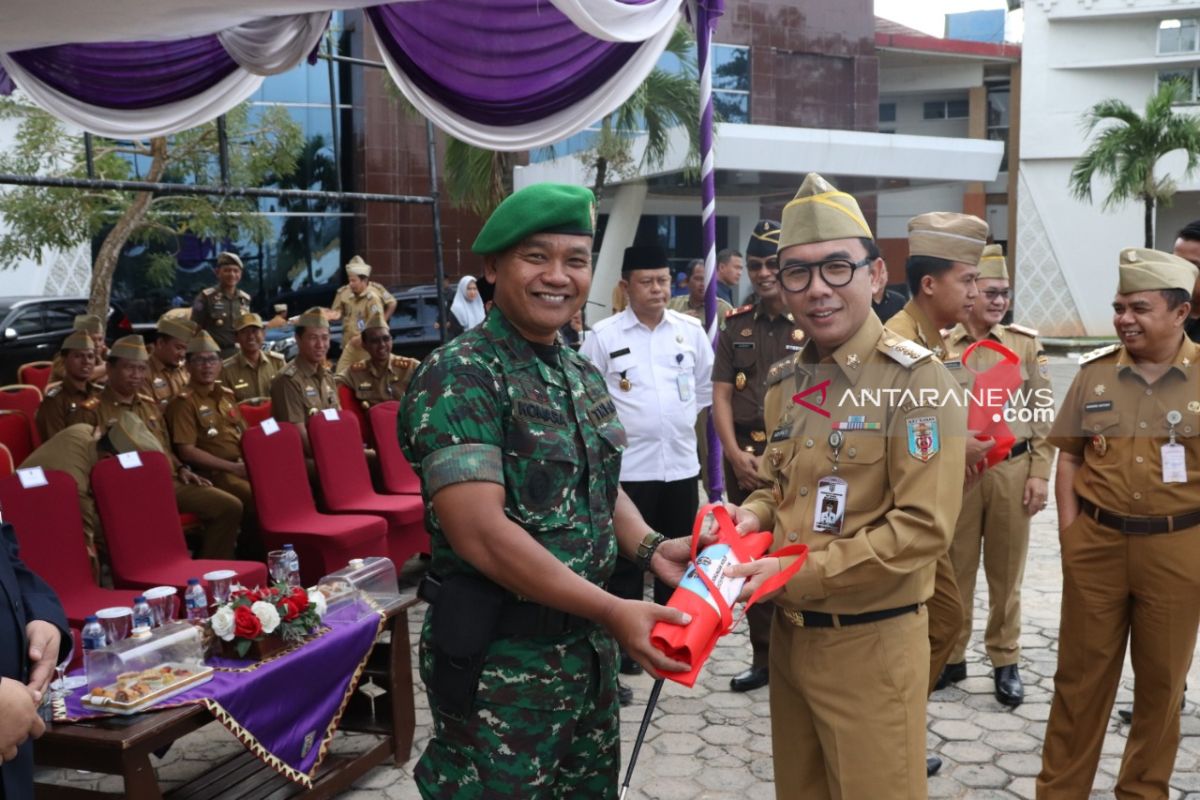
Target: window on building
{"points": [[998, 95], [887, 112], [1178, 36], [731, 82], [946, 109], [1186, 77]]}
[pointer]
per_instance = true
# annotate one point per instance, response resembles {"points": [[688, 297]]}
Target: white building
{"points": [[1075, 54]]}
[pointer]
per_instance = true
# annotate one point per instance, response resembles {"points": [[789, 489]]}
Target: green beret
{"points": [[540, 208], [89, 323], [947, 235], [202, 343], [764, 239], [78, 341], [992, 264], [820, 213], [313, 318], [1143, 270], [128, 433], [183, 329], [131, 348]]}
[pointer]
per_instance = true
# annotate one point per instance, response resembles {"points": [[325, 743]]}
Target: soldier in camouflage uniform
{"points": [[383, 376], [218, 308], [518, 447], [75, 399]]}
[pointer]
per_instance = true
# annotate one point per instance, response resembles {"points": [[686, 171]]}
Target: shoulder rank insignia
{"points": [[1022, 329], [90, 403], [1099, 352], [733, 312], [358, 366], [904, 351], [276, 356], [781, 369], [210, 291], [53, 390]]}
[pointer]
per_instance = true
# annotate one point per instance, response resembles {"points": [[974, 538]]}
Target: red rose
{"points": [[290, 609], [251, 594], [245, 624], [300, 597]]}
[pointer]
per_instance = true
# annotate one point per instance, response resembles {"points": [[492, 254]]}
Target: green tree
{"points": [[1127, 151], [42, 219]]}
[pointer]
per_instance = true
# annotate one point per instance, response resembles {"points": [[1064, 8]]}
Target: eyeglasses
{"points": [[756, 264], [836, 272], [996, 294]]}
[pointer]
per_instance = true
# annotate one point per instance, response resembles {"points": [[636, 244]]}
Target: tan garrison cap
{"points": [[248, 321], [229, 258], [992, 263], [945, 234], [820, 213], [280, 308], [89, 323], [313, 318], [78, 341], [132, 348], [183, 329], [202, 343], [356, 266], [376, 321], [1143, 270], [128, 433]]}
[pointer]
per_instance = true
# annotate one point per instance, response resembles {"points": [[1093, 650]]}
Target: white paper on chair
{"points": [[130, 460], [270, 427], [32, 477], [331, 414]]}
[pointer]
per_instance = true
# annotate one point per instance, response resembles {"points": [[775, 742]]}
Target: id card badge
{"points": [[684, 381], [1174, 463], [830, 511]]}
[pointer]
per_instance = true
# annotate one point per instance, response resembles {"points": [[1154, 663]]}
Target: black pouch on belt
{"points": [[465, 618]]}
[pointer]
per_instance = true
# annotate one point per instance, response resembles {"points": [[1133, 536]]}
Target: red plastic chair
{"points": [[7, 467], [398, 475], [141, 525], [346, 486], [255, 410], [36, 373], [287, 513], [16, 433], [49, 529], [26, 399], [350, 405]]}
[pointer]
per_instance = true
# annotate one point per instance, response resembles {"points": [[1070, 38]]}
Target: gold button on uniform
{"points": [[852, 452], [808, 443], [793, 536], [804, 491]]}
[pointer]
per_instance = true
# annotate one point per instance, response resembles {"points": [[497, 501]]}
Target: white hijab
{"points": [[469, 313]]}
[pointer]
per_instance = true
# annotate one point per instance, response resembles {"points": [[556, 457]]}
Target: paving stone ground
{"points": [[709, 743]]}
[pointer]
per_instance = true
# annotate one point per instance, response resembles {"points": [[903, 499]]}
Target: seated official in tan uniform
{"points": [[93, 326], [381, 376], [75, 399], [167, 375], [306, 385], [250, 371]]}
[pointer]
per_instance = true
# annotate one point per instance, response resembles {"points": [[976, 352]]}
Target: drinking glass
{"points": [[163, 601], [220, 582], [117, 622], [277, 566]]}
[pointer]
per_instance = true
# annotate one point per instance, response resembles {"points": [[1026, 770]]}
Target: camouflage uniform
{"points": [[372, 385], [216, 312], [486, 407]]}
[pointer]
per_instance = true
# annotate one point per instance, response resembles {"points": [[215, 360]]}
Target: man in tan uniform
{"points": [[218, 511], [849, 644], [250, 371], [76, 397], [692, 303], [93, 326], [382, 376], [206, 428], [354, 304], [996, 511], [943, 263], [217, 309], [1128, 435], [167, 375], [754, 338], [305, 386]]}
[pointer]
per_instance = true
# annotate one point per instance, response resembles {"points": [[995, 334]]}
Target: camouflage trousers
{"points": [[505, 751]]}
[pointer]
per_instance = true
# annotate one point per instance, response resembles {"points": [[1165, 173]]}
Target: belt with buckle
{"points": [[1018, 449], [819, 619], [1139, 525], [517, 617]]}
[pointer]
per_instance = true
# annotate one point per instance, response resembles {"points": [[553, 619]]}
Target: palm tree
{"points": [[1127, 151]]}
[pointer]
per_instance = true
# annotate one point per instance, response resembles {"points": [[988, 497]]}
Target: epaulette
{"points": [[184, 393], [148, 398], [242, 295], [1022, 329], [277, 356], [229, 362], [404, 362], [90, 403], [781, 369], [289, 370], [1099, 352], [209, 292], [903, 351], [359, 366], [226, 389], [733, 312], [53, 389]]}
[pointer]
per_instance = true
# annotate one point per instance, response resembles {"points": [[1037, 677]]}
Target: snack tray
{"points": [[201, 674]]}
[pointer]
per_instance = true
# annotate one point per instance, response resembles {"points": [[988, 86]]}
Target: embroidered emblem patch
{"points": [[923, 439]]}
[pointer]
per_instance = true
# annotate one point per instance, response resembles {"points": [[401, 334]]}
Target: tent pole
{"points": [[335, 113], [223, 150], [89, 154], [439, 265]]}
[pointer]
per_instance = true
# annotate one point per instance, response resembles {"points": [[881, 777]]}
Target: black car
{"points": [[33, 329], [415, 327]]}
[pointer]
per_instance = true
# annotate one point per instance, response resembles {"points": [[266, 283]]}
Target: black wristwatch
{"points": [[646, 548]]}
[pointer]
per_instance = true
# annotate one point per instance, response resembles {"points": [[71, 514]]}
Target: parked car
{"points": [[33, 329]]}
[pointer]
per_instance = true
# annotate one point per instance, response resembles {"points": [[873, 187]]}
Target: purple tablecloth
{"points": [[287, 708]]}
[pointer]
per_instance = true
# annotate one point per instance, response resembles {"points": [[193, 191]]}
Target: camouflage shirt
{"points": [[486, 407]]}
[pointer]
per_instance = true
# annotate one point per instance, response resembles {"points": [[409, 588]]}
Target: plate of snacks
{"points": [[136, 691]]}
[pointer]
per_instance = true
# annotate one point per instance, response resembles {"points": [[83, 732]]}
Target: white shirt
{"points": [[669, 378]]}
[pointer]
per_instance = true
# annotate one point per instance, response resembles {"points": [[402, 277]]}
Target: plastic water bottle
{"points": [[293, 562], [195, 600], [93, 635], [143, 615]]}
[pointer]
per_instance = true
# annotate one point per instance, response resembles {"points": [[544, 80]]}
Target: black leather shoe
{"points": [[624, 695], [630, 667], [951, 673], [753, 678], [932, 765], [1009, 689]]}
